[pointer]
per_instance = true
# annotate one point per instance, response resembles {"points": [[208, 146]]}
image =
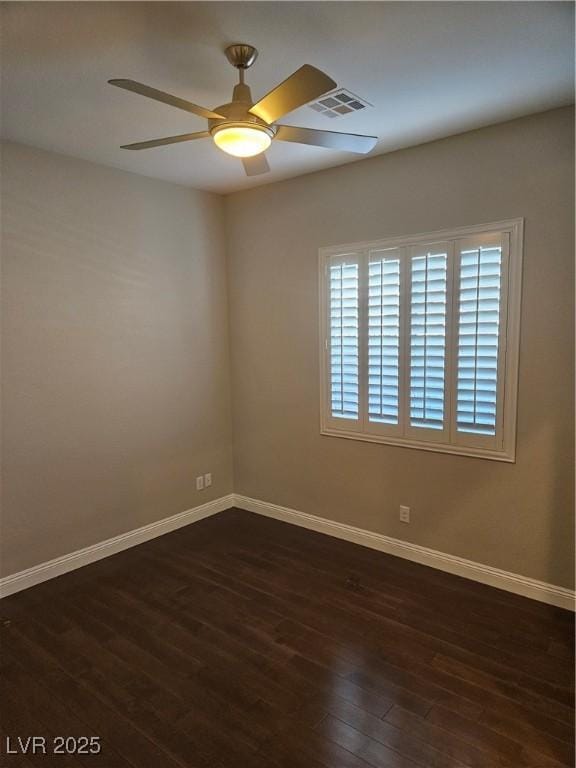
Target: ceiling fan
{"points": [[246, 129]]}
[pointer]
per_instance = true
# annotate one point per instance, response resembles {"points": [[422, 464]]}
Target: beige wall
{"points": [[115, 349], [115, 353], [516, 517]]}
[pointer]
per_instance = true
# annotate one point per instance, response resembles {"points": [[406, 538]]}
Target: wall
{"points": [[115, 349], [518, 517], [115, 353]]}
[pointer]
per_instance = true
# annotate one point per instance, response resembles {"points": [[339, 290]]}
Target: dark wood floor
{"points": [[241, 642]]}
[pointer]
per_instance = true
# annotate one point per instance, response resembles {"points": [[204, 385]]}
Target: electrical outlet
{"points": [[200, 483], [404, 514], [207, 479]]}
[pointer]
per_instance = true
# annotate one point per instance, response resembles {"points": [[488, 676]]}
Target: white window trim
{"points": [[510, 349]]}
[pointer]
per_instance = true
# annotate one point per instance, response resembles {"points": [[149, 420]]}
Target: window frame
{"points": [[509, 346]]}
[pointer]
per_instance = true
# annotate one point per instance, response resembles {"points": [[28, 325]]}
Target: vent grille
{"points": [[339, 103]]}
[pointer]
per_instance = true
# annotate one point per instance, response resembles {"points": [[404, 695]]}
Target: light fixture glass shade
{"points": [[242, 140]]}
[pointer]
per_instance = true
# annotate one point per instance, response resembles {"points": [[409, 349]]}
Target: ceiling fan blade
{"points": [[167, 140], [165, 98], [304, 85], [348, 142], [256, 165]]}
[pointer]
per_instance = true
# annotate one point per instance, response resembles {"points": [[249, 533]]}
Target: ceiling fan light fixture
{"points": [[245, 129], [242, 140]]}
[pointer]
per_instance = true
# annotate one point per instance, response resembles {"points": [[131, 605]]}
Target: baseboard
{"points": [[485, 574], [49, 570]]}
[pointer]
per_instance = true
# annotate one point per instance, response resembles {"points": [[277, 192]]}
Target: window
{"points": [[420, 340]]}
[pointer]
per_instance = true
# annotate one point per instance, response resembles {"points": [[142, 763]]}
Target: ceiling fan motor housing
{"points": [[236, 113]]}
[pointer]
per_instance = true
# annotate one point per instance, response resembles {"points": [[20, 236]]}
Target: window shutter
{"points": [[343, 308], [420, 340], [428, 299], [383, 336], [479, 300]]}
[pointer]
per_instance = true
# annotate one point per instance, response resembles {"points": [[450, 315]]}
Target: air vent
{"points": [[339, 103]]}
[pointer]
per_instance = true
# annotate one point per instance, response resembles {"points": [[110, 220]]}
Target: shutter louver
{"points": [[344, 342], [478, 340], [383, 339], [428, 340]]}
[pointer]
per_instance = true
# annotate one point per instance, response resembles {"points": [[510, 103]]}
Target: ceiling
{"points": [[430, 69]]}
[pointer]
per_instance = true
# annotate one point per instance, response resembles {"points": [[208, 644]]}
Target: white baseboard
{"points": [[485, 574], [49, 570]]}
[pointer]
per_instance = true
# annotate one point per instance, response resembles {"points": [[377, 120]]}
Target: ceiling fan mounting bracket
{"points": [[241, 55]]}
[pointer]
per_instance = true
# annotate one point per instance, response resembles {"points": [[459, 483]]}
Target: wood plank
{"points": [[243, 641]]}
